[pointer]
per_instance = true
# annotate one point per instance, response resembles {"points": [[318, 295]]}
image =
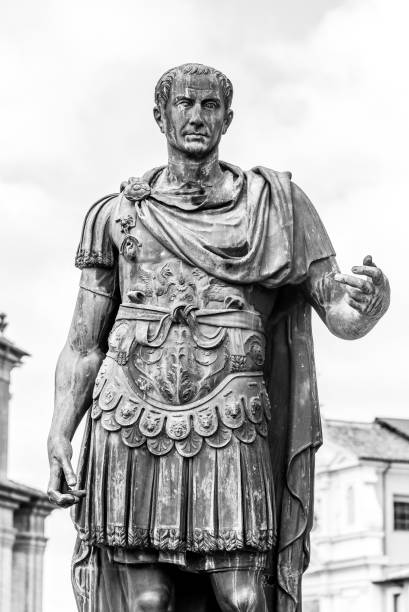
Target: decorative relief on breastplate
{"points": [[120, 341], [126, 223], [178, 283], [177, 372], [128, 412], [169, 353], [178, 426], [255, 409], [130, 244], [172, 282], [229, 296], [238, 363], [151, 423], [239, 406], [206, 421], [255, 349], [143, 291], [129, 248]]}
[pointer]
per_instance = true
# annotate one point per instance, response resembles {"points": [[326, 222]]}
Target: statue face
{"points": [[195, 117]]}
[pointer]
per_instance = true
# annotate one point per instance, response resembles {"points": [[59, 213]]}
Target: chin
{"points": [[198, 149]]}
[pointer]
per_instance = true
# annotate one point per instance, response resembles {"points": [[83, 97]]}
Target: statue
{"points": [[190, 354]]}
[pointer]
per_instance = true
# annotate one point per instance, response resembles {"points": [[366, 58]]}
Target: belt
{"points": [[188, 315]]}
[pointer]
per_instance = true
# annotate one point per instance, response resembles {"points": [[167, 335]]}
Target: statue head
{"points": [[192, 108]]}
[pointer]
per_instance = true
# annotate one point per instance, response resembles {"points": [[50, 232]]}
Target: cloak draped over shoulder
{"points": [[268, 237], [276, 243]]}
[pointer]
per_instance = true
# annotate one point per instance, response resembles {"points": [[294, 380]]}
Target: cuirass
{"points": [[174, 344], [164, 338], [185, 348]]}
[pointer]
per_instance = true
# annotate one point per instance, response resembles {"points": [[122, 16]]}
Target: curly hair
{"points": [[163, 86]]}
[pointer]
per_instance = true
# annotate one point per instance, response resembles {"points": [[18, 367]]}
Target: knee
{"points": [[241, 599], [155, 599]]}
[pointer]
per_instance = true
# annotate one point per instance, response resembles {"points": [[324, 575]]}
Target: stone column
{"points": [[4, 417], [7, 538], [28, 553]]}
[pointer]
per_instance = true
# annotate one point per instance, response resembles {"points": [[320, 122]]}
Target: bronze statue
{"points": [[190, 353]]}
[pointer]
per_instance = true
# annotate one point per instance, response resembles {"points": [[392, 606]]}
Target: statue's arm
{"points": [[349, 305], [76, 371]]}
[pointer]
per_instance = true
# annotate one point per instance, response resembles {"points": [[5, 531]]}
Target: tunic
{"points": [[177, 459]]}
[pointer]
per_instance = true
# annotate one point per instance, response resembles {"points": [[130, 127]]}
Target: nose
{"points": [[196, 116]]}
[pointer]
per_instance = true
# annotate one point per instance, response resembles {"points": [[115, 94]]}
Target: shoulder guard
{"points": [[96, 249]]}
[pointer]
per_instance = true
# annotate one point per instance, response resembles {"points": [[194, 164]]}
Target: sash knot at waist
{"points": [[154, 322]]}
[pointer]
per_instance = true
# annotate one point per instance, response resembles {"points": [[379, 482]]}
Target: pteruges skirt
{"points": [[210, 511]]}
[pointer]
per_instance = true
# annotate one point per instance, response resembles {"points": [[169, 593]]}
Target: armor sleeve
{"points": [[96, 248]]}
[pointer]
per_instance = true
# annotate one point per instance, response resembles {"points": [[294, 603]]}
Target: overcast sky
{"points": [[320, 89]]}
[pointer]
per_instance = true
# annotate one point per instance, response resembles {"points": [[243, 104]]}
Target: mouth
{"points": [[195, 135]]}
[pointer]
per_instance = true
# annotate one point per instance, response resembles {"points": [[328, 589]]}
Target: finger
{"points": [[354, 281], [78, 493], [69, 473], [373, 272], [368, 261], [358, 296], [359, 306], [54, 496], [63, 500]]}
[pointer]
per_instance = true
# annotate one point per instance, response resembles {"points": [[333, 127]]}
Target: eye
{"points": [[184, 103], [210, 104]]}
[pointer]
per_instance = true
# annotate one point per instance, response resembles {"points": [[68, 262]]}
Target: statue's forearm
{"points": [[74, 380]]}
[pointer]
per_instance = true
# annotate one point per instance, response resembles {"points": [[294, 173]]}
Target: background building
{"points": [[360, 541], [22, 511]]}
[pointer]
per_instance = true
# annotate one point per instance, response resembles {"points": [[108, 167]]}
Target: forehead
{"points": [[195, 85]]}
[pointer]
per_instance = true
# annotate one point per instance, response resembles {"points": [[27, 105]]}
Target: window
{"points": [[401, 513]]}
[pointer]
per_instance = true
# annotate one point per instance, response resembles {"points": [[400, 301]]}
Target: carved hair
{"points": [[162, 89]]}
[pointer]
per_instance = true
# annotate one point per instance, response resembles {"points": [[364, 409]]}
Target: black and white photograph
{"points": [[204, 294]]}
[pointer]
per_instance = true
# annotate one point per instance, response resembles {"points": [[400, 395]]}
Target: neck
{"points": [[182, 169]]}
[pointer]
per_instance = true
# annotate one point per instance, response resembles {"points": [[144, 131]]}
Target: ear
{"points": [[228, 118], [157, 113]]}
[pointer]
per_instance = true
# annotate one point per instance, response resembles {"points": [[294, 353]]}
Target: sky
{"points": [[320, 88]]}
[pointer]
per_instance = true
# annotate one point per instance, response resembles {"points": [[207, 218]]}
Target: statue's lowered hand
{"points": [[370, 296], [61, 491]]}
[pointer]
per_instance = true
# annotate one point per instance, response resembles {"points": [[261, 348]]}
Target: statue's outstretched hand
{"points": [[369, 296], [62, 477]]}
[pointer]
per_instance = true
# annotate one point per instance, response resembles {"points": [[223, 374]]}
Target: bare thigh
{"points": [[240, 591]]}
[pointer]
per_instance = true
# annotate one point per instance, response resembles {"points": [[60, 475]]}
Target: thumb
{"points": [[368, 261]]}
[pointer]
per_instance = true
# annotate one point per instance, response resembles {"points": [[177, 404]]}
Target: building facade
{"points": [[360, 540], [22, 511]]}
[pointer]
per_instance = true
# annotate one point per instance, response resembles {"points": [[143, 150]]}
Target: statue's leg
{"points": [[240, 591], [137, 588]]}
